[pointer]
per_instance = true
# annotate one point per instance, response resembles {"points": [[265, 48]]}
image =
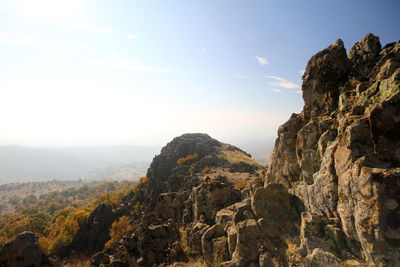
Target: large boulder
{"points": [[326, 71], [211, 196], [23, 251], [274, 202], [95, 232], [364, 54]]}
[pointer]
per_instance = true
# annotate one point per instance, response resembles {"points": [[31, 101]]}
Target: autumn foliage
{"points": [[118, 229], [188, 159], [57, 216], [143, 180]]}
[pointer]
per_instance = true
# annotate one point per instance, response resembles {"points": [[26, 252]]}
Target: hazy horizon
{"points": [[106, 73]]}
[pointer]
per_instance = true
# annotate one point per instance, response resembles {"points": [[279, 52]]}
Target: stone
{"points": [[326, 71], [364, 55], [320, 257], [194, 234], [210, 197], [100, 258], [23, 250], [215, 245]]}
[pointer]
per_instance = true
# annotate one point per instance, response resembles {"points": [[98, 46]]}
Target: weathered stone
{"points": [[100, 258], [194, 233], [23, 251], [320, 257], [247, 246], [364, 55], [325, 73], [210, 197], [283, 166], [271, 201], [215, 245]]}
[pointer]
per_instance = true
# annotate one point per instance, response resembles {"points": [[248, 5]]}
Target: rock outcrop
{"points": [[187, 185], [94, 233], [340, 155], [24, 251]]}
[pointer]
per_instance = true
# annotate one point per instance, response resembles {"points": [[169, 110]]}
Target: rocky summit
{"points": [[329, 197]]}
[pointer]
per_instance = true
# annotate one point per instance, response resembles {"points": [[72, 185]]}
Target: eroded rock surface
{"points": [[346, 141], [24, 251]]}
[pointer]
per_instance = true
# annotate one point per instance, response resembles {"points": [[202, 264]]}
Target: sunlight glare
{"points": [[50, 9]]}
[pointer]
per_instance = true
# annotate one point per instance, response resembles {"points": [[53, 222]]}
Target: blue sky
{"points": [[142, 72]]}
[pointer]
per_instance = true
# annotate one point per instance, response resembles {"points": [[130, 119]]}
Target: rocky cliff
{"points": [[340, 156]]}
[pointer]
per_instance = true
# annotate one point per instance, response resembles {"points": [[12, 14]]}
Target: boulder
{"points": [[215, 245], [364, 54], [24, 250], [326, 71], [210, 197]]}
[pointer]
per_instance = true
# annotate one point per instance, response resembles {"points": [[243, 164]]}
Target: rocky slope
{"points": [[330, 195], [191, 180]]}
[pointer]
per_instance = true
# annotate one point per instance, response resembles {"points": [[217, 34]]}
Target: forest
{"points": [[56, 216]]}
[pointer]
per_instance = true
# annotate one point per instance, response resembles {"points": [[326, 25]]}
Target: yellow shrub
{"points": [[206, 170], [118, 229], [240, 185], [143, 180], [188, 159], [44, 243]]}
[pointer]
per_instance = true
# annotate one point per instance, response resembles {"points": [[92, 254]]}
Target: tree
{"points": [[29, 200], [118, 229]]}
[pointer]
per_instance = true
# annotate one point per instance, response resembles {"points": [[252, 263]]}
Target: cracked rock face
{"points": [[24, 250], [347, 146]]}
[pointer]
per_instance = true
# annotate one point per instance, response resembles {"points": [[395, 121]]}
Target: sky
{"points": [[97, 72]]}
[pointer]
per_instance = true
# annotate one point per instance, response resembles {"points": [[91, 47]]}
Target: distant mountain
{"points": [[20, 163], [260, 150]]}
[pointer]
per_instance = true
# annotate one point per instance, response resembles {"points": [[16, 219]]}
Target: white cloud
{"points": [[262, 60], [281, 82], [23, 41], [155, 82], [244, 77], [105, 29], [302, 72], [131, 36], [276, 90], [206, 49], [115, 62], [73, 44], [36, 43], [299, 91], [85, 27]]}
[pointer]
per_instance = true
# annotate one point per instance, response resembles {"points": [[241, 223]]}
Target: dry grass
{"points": [[236, 156], [241, 185], [292, 251], [191, 263], [78, 261], [233, 177], [184, 241]]}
